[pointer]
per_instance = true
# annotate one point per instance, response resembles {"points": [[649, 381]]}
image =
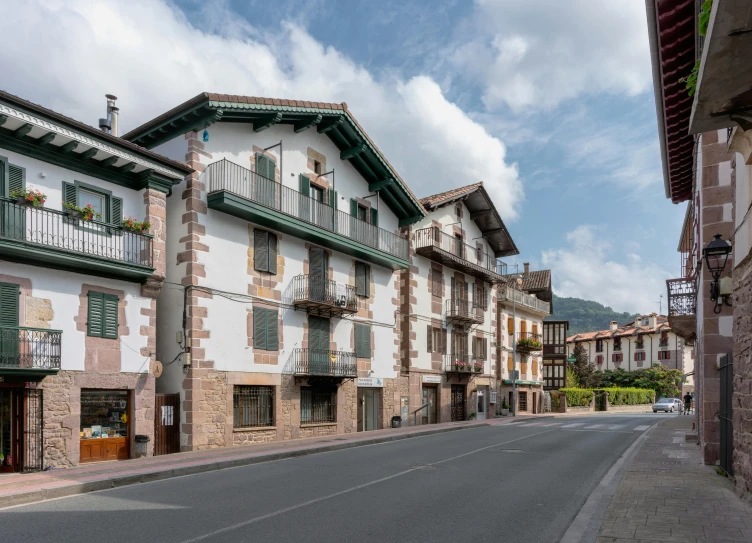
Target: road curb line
{"points": [[34, 496], [587, 523]]}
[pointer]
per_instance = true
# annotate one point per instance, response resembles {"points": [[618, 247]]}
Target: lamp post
{"points": [[716, 255]]}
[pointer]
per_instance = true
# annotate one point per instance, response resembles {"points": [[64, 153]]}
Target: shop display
{"points": [[104, 425]]}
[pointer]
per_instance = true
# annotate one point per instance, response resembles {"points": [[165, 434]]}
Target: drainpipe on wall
{"points": [[629, 352]]}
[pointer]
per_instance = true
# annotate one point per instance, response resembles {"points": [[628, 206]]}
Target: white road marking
{"points": [[534, 424], [616, 426], [348, 490], [573, 425], [594, 426], [641, 428], [552, 424]]}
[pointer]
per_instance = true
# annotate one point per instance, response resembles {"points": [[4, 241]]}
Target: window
{"points": [[102, 201], [363, 213], [640, 342], [265, 329], [480, 348], [437, 283], [617, 357], [510, 325], [264, 251], [458, 246], [317, 193], [318, 405], [599, 359], [362, 279], [436, 339], [252, 406], [317, 167], [617, 344], [362, 341], [16, 177], [103, 315], [598, 345], [458, 210], [510, 363], [265, 166], [9, 293], [664, 339], [664, 355], [480, 296], [479, 254], [523, 401], [639, 357]]}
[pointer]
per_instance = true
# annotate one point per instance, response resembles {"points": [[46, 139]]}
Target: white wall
{"points": [[507, 340]]}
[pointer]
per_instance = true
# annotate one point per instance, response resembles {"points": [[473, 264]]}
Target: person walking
{"points": [[687, 402]]}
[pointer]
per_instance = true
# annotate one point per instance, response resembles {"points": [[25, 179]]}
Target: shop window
{"points": [[253, 406], [362, 341], [265, 329], [102, 318], [318, 405], [523, 401], [264, 251], [362, 279], [102, 201], [104, 425]]}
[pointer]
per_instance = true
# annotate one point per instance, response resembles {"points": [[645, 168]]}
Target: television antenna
{"points": [[660, 303]]}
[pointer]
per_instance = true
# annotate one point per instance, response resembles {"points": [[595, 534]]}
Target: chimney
{"points": [[110, 123], [653, 321], [527, 270], [614, 325]]}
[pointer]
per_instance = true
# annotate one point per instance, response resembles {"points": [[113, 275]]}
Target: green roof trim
{"points": [[334, 120]]}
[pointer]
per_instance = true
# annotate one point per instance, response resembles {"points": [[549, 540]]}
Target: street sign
{"points": [[571, 359]]}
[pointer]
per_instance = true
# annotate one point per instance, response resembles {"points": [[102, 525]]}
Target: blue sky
{"points": [[550, 103]]}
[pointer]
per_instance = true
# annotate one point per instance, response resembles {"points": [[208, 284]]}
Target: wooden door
{"points": [[167, 424], [318, 345], [458, 402]]}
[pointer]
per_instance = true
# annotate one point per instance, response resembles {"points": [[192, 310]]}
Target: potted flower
{"points": [[28, 197], [478, 367], [504, 408], [460, 365], [133, 225], [81, 213], [472, 416], [528, 344]]}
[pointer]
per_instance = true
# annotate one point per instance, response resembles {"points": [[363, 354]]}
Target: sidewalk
{"points": [[668, 494], [16, 489]]}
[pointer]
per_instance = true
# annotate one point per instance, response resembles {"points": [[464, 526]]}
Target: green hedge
{"points": [[578, 397], [628, 396]]}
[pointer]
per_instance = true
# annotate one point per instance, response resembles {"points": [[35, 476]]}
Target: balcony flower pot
{"points": [[131, 225], [86, 214], [28, 198]]}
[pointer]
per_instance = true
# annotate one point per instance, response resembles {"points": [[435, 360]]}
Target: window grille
{"points": [[318, 405], [253, 406]]}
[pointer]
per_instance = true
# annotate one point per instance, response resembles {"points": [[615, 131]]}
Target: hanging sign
{"points": [[370, 382], [432, 379]]}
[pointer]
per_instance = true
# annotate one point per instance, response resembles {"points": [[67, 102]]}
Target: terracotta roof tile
{"points": [[442, 197], [536, 280], [626, 330]]}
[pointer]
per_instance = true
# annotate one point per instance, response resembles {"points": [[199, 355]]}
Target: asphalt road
{"points": [[523, 482]]}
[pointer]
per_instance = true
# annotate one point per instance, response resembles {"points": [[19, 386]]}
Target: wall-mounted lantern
{"points": [[716, 255]]}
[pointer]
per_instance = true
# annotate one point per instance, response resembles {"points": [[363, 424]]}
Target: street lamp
{"points": [[716, 255]]}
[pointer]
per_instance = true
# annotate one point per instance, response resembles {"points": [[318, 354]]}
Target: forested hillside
{"points": [[586, 315]]}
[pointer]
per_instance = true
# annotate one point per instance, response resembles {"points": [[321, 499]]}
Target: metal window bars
{"points": [[318, 405], [253, 406]]}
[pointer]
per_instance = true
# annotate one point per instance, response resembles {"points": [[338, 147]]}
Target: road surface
{"points": [[521, 482]]}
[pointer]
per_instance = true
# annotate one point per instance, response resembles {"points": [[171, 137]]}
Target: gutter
{"points": [[658, 90]]}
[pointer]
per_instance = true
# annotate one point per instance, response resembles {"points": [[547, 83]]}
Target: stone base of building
{"points": [[529, 398], [742, 399]]}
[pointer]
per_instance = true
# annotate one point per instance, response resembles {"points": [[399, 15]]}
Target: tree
{"points": [[586, 374], [665, 382]]}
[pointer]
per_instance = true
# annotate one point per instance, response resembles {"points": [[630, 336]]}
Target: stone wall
{"points": [[318, 430], [251, 437], [742, 400]]}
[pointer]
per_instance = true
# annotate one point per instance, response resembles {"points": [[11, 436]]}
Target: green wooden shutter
{"points": [[9, 293], [3, 176], [367, 341], [374, 216], [367, 280], [95, 316], [265, 166], [353, 207], [272, 330], [261, 250], [333, 198], [259, 328], [272, 253], [116, 211], [358, 340], [305, 185], [69, 194], [429, 333], [16, 178], [110, 320], [360, 279]]}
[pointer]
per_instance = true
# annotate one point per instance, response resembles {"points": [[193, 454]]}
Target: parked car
{"points": [[667, 405]]}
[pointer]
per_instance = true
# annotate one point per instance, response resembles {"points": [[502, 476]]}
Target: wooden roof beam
{"points": [[300, 126], [22, 130], [352, 152], [328, 125], [265, 122]]}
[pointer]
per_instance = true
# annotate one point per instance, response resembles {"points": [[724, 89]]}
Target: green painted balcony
{"points": [[55, 239], [241, 192], [29, 351]]}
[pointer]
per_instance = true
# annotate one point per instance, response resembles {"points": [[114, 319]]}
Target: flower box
{"points": [[28, 197]]}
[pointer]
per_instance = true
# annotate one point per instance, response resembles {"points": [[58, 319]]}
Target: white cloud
{"points": [[538, 53], [590, 267], [67, 54]]}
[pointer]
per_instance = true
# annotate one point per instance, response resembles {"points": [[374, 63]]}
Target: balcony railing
{"points": [[463, 363], [510, 294], [528, 342], [49, 228], [312, 291], [324, 363], [247, 184], [463, 311], [23, 348], [430, 239], [682, 296]]}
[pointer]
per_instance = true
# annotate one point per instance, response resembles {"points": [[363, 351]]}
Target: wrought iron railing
{"points": [[247, 184], [463, 363], [527, 342], [510, 294], [22, 347], [434, 237], [307, 288], [324, 362], [60, 231], [682, 296], [252, 406], [463, 309]]}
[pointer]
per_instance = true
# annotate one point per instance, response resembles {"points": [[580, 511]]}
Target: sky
{"points": [[548, 102]]}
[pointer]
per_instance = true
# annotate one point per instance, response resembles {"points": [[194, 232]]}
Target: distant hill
{"points": [[586, 315]]}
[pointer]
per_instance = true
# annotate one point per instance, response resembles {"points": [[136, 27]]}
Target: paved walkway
{"points": [[32, 487], [668, 494]]}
